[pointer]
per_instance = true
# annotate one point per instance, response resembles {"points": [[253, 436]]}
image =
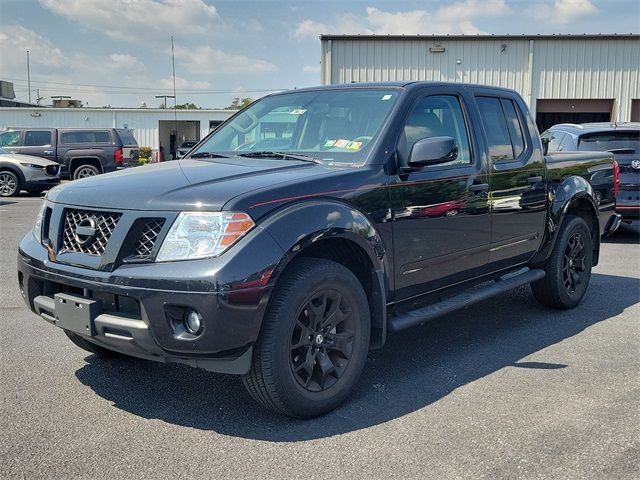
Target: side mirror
{"points": [[545, 145], [433, 151]]}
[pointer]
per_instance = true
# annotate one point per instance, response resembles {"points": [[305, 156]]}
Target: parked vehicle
{"points": [[81, 152], [24, 172], [383, 206], [185, 146], [621, 139]]}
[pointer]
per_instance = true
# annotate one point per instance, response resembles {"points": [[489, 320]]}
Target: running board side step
{"points": [[421, 315]]}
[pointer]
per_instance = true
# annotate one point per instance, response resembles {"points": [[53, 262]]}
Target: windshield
{"points": [[330, 125], [604, 141]]}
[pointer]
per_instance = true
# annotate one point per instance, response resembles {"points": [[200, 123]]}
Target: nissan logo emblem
{"points": [[85, 231]]}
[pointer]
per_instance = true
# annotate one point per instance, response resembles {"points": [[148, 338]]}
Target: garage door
{"points": [[551, 112]]}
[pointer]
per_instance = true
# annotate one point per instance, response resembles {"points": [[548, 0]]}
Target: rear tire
{"points": [[314, 340], [9, 184], [568, 268], [84, 171], [91, 347]]}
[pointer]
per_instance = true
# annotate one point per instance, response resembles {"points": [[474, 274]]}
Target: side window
{"points": [[515, 128], [102, 137], [503, 128], [437, 116], [567, 144], [496, 128], [555, 138], [9, 139], [37, 138]]}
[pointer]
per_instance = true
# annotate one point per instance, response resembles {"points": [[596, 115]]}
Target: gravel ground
{"points": [[504, 389]]}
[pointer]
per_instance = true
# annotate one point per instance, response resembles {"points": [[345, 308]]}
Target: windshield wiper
{"points": [[283, 155], [208, 155]]}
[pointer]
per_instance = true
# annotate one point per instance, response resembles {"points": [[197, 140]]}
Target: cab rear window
{"points": [[627, 142]]}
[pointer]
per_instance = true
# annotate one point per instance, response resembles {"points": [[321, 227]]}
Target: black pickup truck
{"points": [[308, 227], [81, 152]]}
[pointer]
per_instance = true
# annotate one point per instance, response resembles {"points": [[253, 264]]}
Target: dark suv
{"points": [[621, 139], [82, 152]]}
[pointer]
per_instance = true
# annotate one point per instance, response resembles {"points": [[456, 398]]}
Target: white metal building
{"points": [[150, 126], [563, 78]]}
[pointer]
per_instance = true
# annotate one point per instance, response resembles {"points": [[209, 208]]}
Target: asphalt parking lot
{"points": [[505, 389]]}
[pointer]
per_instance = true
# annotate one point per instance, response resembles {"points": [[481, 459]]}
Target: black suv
{"points": [[621, 139], [82, 152]]}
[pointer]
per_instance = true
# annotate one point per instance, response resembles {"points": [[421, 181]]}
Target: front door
{"points": [[442, 225]]}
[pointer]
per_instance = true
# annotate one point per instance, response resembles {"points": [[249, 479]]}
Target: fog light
{"points": [[193, 322]]}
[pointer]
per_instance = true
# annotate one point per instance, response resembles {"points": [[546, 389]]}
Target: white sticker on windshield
{"points": [[386, 97], [297, 111]]}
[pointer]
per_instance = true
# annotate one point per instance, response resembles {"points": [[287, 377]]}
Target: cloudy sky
{"points": [[118, 52]]}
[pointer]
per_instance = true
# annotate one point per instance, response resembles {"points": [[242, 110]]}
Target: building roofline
{"points": [[49, 108], [559, 36]]}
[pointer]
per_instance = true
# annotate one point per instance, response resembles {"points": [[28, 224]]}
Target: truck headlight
{"points": [[37, 228], [203, 234]]}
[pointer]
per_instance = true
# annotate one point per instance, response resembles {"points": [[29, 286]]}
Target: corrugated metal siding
{"points": [[563, 68], [144, 123]]}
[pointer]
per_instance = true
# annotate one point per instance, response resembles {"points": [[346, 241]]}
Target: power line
{"points": [[150, 89]]}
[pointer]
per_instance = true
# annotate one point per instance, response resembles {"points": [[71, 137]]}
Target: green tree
{"points": [[187, 106], [239, 103]]}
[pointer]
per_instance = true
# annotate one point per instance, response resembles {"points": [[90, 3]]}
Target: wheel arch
{"points": [[335, 231], [75, 162]]}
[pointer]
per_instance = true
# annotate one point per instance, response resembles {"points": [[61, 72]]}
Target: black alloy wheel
{"points": [[322, 340], [573, 265]]}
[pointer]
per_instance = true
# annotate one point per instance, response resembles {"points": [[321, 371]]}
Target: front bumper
{"points": [[142, 305], [41, 184]]}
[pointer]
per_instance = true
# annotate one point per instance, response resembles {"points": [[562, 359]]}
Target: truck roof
{"points": [[395, 84]]}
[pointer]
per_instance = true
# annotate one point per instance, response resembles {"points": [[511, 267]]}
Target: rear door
{"points": [[518, 179], [442, 226]]}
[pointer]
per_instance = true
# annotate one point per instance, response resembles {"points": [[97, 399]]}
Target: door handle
{"points": [[479, 187], [48, 152], [534, 179]]}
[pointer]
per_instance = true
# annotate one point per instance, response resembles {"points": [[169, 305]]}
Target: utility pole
{"points": [[175, 101], [164, 103], [28, 77]]}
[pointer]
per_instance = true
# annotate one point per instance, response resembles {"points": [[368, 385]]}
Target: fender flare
{"points": [[298, 226], [79, 158], [565, 194]]}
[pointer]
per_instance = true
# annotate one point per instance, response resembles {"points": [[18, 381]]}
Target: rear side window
{"points": [[503, 128], [555, 139], [89, 136], [127, 137], [37, 138]]}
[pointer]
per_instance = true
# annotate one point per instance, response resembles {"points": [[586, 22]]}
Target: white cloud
{"points": [[208, 60], [562, 12], [311, 68], [453, 18], [125, 62], [15, 40], [183, 83], [138, 20]]}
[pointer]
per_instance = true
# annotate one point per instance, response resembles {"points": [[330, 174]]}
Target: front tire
{"points": [[9, 184], [568, 268], [314, 340]]}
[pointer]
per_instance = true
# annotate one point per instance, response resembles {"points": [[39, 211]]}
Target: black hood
{"points": [[188, 184]]}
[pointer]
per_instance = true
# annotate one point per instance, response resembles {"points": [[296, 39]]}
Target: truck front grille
{"points": [[148, 237], [103, 222]]}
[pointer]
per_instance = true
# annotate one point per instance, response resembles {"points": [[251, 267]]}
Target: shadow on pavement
{"points": [[416, 368]]}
